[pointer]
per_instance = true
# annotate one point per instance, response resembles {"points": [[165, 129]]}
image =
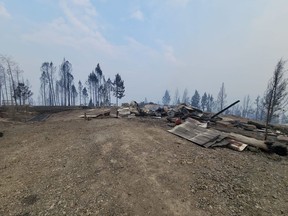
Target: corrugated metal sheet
{"points": [[198, 135]]}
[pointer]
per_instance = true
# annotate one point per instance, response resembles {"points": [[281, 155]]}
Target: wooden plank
{"points": [[236, 145], [95, 115]]}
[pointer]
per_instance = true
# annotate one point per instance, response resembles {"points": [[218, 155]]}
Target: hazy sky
{"points": [[154, 44]]}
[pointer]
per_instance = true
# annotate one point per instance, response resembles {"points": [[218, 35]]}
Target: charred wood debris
{"points": [[212, 130]]}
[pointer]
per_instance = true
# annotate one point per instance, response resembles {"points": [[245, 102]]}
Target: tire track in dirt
{"points": [[145, 160]]}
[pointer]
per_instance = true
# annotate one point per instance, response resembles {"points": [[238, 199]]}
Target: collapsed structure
{"points": [[209, 130]]}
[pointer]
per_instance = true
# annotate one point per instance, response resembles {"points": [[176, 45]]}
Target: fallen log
{"points": [[250, 141], [281, 128], [269, 147], [248, 127], [282, 138], [85, 116], [259, 125]]}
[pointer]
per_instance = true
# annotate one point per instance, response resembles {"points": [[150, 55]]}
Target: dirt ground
{"points": [[68, 166]]}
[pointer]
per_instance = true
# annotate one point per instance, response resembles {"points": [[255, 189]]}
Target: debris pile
{"points": [[129, 110], [208, 129], [182, 111]]}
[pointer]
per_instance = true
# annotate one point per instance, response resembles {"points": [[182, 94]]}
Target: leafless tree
{"points": [[74, 95], [10, 69], [109, 87], [185, 98], [247, 107], [99, 75], [176, 97], [58, 93], [275, 96], [18, 71], [257, 109], [221, 100], [80, 88], [3, 84], [66, 81], [51, 80], [44, 81]]}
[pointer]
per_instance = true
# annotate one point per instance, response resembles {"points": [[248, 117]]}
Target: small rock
{"points": [[52, 206]]}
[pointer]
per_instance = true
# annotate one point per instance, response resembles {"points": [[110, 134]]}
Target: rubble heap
{"points": [[210, 130]]}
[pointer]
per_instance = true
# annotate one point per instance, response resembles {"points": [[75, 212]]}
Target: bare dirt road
{"points": [[69, 166]]}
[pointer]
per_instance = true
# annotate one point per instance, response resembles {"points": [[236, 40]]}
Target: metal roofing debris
{"points": [[194, 131], [199, 135]]}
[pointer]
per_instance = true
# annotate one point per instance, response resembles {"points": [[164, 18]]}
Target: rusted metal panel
{"points": [[198, 135]]}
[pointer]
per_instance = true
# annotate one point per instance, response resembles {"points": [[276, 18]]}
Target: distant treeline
{"points": [[271, 107], [57, 89], [61, 91]]}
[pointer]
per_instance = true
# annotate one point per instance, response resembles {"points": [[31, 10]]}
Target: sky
{"points": [[153, 44]]}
